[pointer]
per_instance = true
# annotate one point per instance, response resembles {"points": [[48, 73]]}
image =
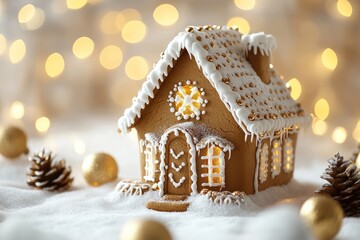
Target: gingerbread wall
{"points": [[283, 177], [156, 117]]}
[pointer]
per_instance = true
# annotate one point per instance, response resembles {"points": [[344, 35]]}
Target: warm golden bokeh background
{"points": [[73, 58]]}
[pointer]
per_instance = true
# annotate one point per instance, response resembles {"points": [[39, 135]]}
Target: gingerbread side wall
{"points": [[283, 177], [156, 118]]}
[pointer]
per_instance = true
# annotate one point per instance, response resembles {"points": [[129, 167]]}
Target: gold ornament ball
{"points": [[323, 215], [145, 229], [13, 142], [99, 168]]}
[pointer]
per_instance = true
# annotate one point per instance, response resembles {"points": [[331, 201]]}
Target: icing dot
{"points": [[194, 82], [172, 109], [186, 117], [179, 118], [203, 112], [202, 93], [197, 118], [188, 82]]}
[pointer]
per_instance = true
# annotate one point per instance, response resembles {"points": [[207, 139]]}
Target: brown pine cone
{"points": [[343, 185], [47, 174]]}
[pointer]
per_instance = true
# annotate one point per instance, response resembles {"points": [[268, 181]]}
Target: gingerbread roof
{"points": [[259, 109]]}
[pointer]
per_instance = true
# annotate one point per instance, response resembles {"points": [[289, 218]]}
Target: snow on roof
{"points": [[259, 109]]}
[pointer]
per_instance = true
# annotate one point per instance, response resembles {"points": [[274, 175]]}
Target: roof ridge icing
{"points": [[261, 110]]}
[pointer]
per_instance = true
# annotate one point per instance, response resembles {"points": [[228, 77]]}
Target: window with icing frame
{"points": [[263, 163], [214, 163], [187, 101], [276, 158], [288, 155], [150, 162]]}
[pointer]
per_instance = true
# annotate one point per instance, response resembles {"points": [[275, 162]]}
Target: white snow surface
{"points": [[91, 213]]}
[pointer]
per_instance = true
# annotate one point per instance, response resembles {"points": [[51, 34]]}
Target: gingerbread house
{"points": [[214, 114]]}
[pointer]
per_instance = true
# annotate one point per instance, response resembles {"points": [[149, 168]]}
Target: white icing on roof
{"points": [[264, 42], [259, 109]]}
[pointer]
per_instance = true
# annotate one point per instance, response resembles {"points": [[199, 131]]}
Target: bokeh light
{"points": [[245, 4], [344, 8], [54, 65], [133, 31], [26, 13], [36, 21], [136, 68], [356, 132], [17, 110], [295, 86], [83, 47], [2, 44], [329, 59], [166, 14], [319, 127], [42, 124], [339, 135], [108, 23], [241, 23], [133, 135], [79, 147], [75, 4], [17, 51], [322, 109], [111, 57]]}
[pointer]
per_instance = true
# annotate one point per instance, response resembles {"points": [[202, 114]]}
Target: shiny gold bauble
{"points": [[323, 215], [145, 229], [13, 142], [99, 168]]}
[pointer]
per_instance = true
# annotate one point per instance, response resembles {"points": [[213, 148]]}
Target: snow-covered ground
{"points": [[91, 213]]}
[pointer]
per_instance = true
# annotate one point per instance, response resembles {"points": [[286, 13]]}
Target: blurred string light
{"points": [[75, 4], [36, 21], [113, 22], [17, 110], [344, 8], [329, 59], [319, 127], [17, 51], [54, 65], [79, 147], [133, 135], [31, 18], [108, 23], [339, 135], [322, 109], [245, 4], [136, 68], [83, 47], [356, 132], [295, 86], [166, 14], [26, 13], [2, 44], [241, 23], [42, 124], [133, 31], [111, 57]]}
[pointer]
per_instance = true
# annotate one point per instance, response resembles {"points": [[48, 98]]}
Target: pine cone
{"points": [[47, 174], [343, 185]]}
